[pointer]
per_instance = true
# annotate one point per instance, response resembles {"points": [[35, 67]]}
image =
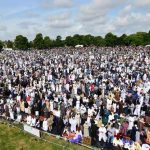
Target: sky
{"points": [[69, 17]]}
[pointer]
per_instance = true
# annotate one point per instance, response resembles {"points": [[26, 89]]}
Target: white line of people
{"points": [[97, 92]]}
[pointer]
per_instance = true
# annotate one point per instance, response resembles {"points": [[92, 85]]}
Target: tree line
{"points": [[110, 39]]}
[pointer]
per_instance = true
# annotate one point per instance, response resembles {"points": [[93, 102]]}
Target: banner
{"points": [[32, 130]]}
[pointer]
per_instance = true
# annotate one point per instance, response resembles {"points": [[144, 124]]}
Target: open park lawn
{"points": [[12, 138]]}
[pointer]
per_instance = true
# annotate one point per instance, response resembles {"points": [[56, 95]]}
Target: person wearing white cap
{"points": [[137, 110], [102, 133], [131, 120], [73, 123], [78, 103]]}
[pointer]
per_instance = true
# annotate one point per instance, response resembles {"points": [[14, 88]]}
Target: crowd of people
{"points": [[100, 93]]}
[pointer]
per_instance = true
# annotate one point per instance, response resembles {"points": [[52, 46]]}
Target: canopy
{"points": [[78, 46]]}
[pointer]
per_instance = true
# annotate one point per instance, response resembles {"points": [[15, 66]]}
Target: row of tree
{"points": [[40, 42]]}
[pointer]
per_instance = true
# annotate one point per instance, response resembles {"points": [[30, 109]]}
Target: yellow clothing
{"points": [[99, 123], [22, 106], [148, 136], [111, 96]]}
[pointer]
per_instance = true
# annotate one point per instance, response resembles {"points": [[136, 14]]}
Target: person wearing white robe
{"points": [[11, 115], [32, 94], [123, 95], [109, 104], [77, 117], [67, 87], [131, 120], [73, 123], [145, 77], [52, 86], [141, 99], [65, 99], [132, 108], [75, 88], [26, 110], [19, 117], [51, 105], [33, 121], [18, 98], [114, 107], [102, 133], [45, 125], [145, 147], [29, 120], [40, 84], [57, 88], [111, 117], [77, 104], [137, 110], [86, 129], [18, 110]]}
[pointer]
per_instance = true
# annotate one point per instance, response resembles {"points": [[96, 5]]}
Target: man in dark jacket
{"points": [[94, 135]]}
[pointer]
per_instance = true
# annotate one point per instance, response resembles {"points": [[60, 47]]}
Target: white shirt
{"points": [[45, 125], [33, 122], [73, 123], [145, 147], [131, 122], [29, 120]]}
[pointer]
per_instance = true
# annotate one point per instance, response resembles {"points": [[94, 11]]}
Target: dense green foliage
{"points": [[1, 45], [21, 42], [40, 42]]}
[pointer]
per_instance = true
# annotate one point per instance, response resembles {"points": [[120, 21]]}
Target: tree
{"points": [[1, 45], [88, 39], [38, 42], [110, 39], [98, 41], [59, 42], [69, 41], [9, 44], [31, 44], [21, 42], [77, 39], [135, 39], [121, 40], [47, 42]]}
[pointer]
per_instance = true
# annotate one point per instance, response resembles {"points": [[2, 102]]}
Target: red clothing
{"points": [[28, 98], [92, 87]]}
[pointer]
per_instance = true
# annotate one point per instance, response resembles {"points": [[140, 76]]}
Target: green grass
{"points": [[12, 138]]}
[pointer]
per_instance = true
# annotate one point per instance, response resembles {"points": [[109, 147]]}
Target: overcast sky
{"points": [[69, 17]]}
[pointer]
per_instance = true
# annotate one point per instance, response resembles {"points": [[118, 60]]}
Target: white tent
{"points": [[147, 46], [77, 46], [8, 49]]}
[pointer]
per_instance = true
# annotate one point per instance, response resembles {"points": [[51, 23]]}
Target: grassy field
{"points": [[12, 138]]}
